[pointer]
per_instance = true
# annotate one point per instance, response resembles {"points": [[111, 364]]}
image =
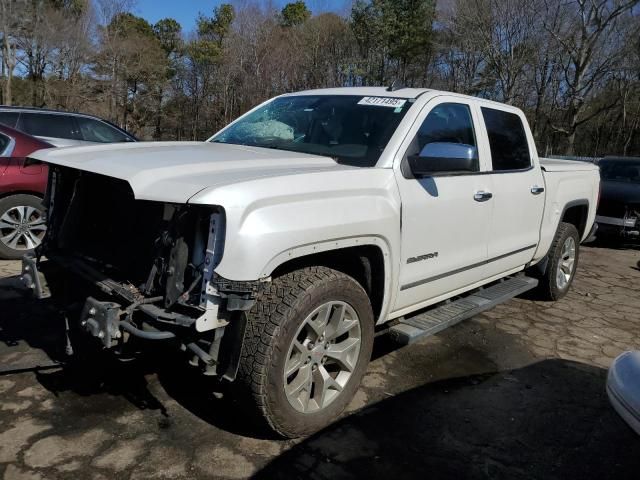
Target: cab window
{"points": [[507, 139]]}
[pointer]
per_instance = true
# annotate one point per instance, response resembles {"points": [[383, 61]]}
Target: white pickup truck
{"points": [[273, 252]]}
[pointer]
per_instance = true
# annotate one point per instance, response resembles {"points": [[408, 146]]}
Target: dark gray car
{"points": [[62, 129], [619, 207]]}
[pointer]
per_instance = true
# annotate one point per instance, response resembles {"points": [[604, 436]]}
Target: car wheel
{"points": [[22, 225], [307, 345], [563, 262]]}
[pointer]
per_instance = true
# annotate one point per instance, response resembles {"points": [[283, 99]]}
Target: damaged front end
{"points": [[137, 268]]}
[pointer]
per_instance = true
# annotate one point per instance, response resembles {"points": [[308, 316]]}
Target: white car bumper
{"points": [[623, 388]]}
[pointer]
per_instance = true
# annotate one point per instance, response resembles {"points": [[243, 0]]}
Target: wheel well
{"points": [[364, 263], [21, 192], [577, 216]]}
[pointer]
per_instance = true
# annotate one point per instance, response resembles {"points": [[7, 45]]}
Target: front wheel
{"points": [[307, 345], [563, 262]]}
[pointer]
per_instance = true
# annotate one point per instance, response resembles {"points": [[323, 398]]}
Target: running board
{"points": [[429, 322]]}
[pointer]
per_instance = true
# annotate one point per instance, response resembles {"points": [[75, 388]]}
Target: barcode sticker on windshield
{"points": [[383, 102]]}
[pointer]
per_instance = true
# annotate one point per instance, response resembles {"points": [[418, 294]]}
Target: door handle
{"points": [[482, 196], [536, 190]]}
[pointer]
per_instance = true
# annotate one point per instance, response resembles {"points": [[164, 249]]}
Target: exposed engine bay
{"points": [[140, 268]]}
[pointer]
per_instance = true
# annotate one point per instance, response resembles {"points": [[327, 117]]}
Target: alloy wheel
{"points": [[322, 356], [22, 227], [566, 263]]}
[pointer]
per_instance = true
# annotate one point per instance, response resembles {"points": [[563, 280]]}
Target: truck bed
{"points": [[556, 165]]}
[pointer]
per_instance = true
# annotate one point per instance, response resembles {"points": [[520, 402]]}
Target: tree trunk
{"points": [[157, 134], [571, 140], [7, 90], [10, 63]]}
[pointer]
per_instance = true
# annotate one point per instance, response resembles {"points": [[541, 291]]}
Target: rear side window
{"points": [[4, 143], [9, 118], [49, 125], [97, 131], [507, 139]]}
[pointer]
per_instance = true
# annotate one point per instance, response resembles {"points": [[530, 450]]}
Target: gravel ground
{"points": [[517, 392]]}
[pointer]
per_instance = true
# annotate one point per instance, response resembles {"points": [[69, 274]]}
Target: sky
{"points": [[186, 11]]}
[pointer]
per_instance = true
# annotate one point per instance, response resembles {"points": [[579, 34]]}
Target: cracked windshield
{"points": [[350, 129]]}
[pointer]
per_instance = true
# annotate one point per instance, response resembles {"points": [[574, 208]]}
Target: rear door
{"points": [[518, 189], [444, 226]]}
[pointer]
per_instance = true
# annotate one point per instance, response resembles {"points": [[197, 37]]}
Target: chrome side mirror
{"points": [[444, 157]]}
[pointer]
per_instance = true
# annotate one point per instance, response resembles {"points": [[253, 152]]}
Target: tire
{"points": [[291, 310], [551, 286], [22, 225]]}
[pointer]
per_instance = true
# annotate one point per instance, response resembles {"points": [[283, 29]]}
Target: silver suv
{"points": [[62, 129]]}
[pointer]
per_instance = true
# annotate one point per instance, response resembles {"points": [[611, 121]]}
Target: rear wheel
{"points": [[22, 225], [563, 261], [307, 345]]}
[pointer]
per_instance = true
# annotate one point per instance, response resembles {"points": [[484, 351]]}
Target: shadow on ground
{"points": [[27, 325], [30, 326], [547, 420], [32, 338]]}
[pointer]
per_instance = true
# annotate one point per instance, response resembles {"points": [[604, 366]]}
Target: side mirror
{"points": [[442, 157]]}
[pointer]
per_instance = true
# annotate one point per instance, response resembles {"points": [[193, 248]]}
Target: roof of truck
{"points": [[396, 93], [366, 91]]}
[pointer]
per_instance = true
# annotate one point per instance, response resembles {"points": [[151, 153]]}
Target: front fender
{"points": [[271, 220]]}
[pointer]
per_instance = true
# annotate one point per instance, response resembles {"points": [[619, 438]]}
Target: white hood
{"points": [[175, 171]]}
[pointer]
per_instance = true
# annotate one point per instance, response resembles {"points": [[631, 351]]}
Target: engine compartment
{"points": [[154, 249], [130, 269]]}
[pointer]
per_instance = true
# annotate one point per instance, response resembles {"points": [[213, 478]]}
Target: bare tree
{"points": [[502, 31], [73, 51], [589, 40], [573, 66], [106, 12], [10, 12]]}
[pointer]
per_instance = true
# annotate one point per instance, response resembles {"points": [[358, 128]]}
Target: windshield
{"points": [[351, 129], [621, 171]]}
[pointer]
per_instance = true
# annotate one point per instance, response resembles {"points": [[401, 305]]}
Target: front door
{"points": [[445, 222]]}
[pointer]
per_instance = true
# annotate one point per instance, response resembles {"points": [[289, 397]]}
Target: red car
{"points": [[22, 186]]}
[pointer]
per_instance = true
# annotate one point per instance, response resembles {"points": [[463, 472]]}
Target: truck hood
{"points": [[176, 171]]}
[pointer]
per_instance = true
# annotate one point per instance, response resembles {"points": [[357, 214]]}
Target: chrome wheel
{"points": [[322, 356], [22, 227], [566, 263]]}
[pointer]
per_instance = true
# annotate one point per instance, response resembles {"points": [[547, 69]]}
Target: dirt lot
{"points": [[515, 393]]}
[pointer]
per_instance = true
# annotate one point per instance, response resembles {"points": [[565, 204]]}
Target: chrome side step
{"points": [[429, 322]]}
